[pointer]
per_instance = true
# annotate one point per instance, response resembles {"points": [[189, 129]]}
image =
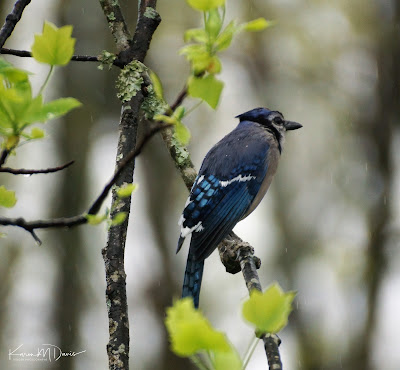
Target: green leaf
{"points": [[268, 311], [182, 133], [36, 133], [191, 332], [256, 25], [95, 219], [157, 86], [227, 360], [195, 34], [213, 24], [11, 142], [199, 57], [15, 97], [204, 5], [179, 113], [214, 66], [17, 108], [54, 46], [193, 51], [126, 190], [224, 40], [38, 112], [59, 107], [14, 75], [208, 88], [119, 218], [7, 198]]}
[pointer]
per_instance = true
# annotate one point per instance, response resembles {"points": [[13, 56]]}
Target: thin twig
{"points": [[12, 19], [3, 156], [122, 165], [31, 226], [75, 58], [23, 171], [180, 98]]}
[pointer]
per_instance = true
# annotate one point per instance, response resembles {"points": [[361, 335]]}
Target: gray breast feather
{"points": [[272, 160]]}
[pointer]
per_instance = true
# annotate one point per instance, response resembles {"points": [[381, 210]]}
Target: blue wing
{"points": [[226, 186], [230, 207]]}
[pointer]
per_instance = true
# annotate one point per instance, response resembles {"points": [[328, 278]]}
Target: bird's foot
{"points": [[232, 249]]}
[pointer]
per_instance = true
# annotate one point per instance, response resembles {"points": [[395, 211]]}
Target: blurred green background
{"points": [[328, 228]]}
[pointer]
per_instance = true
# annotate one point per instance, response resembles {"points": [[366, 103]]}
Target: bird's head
{"points": [[271, 119]]}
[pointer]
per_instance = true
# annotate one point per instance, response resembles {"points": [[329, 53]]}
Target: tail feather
{"points": [[180, 242], [192, 279]]}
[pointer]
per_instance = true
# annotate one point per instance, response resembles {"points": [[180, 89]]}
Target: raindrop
{"points": [[28, 175], [366, 167]]}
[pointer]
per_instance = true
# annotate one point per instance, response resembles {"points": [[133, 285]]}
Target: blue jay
{"points": [[233, 179]]}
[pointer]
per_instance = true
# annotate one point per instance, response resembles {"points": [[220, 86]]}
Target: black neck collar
{"points": [[277, 135]]}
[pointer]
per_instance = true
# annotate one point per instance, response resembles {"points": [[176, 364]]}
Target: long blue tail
{"points": [[192, 279]]}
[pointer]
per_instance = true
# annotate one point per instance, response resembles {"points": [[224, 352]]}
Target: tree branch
{"points": [[12, 19], [123, 164], [23, 171], [114, 252], [3, 156], [148, 21], [180, 98], [75, 58], [271, 347], [116, 23], [31, 226]]}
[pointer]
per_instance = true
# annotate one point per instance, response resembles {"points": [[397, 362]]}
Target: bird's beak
{"points": [[290, 125]]}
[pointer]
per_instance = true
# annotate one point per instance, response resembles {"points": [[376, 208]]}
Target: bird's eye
{"points": [[278, 120]]}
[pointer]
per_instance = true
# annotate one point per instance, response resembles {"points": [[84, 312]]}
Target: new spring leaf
{"points": [[204, 5], [54, 46], [256, 25], [268, 311], [190, 331], [7, 198], [208, 88], [126, 190]]}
